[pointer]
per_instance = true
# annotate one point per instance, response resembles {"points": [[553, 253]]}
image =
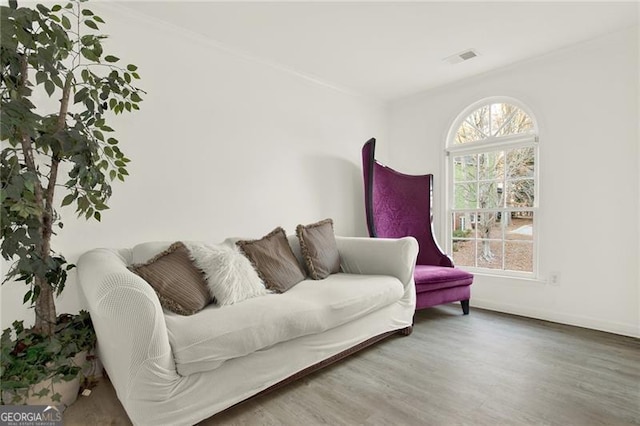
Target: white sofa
{"points": [[172, 369]]}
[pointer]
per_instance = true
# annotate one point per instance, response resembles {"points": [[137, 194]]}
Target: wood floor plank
{"points": [[483, 369]]}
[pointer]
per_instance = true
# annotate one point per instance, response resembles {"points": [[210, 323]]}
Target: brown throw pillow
{"points": [[179, 284], [319, 249], [274, 260]]}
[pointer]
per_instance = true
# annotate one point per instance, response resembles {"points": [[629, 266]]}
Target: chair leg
{"points": [[465, 306]]}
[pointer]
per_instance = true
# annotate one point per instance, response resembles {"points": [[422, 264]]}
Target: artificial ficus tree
{"points": [[65, 153]]}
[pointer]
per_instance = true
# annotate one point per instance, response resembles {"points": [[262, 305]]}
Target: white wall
{"points": [[585, 99], [223, 146]]}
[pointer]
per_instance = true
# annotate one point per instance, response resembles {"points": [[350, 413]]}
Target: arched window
{"points": [[492, 165]]}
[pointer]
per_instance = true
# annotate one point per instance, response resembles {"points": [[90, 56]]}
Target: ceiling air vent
{"points": [[461, 56]]}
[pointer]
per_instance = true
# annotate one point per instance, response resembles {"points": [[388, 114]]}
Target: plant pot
{"points": [[90, 365], [68, 391], [80, 360], [48, 356]]}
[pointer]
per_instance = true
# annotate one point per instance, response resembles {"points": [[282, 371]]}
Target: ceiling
{"points": [[388, 50]]}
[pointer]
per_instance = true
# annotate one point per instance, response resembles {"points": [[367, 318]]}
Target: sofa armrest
{"points": [[132, 336], [379, 256]]}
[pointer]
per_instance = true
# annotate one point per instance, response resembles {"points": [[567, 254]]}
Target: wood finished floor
{"points": [[483, 369]]}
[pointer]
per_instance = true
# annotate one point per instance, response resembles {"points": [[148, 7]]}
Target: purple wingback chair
{"points": [[399, 205]]}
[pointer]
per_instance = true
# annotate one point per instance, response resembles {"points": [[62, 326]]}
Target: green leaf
{"points": [[97, 216], [131, 67], [98, 19], [81, 95], [49, 87], [127, 77], [112, 141], [112, 174], [98, 135], [89, 54], [44, 10], [56, 8], [91, 24], [30, 186], [57, 81], [87, 12], [111, 58], [135, 97], [83, 204], [27, 296], [68, 199], [41, 77], [66, 23]]}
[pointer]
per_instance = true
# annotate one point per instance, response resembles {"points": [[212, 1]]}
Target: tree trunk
{"points": [[45, 304], [44, 307]]}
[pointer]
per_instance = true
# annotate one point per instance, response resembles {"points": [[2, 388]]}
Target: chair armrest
{"points": [[379, 256], [129, 322]]}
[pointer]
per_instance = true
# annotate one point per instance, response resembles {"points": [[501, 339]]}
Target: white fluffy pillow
{"points": [[230, 275]]}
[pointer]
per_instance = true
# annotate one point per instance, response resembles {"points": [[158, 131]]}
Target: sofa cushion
{"points": [[180, 285], [319, 249], [428, 277], [204, 341], [274, 261]]}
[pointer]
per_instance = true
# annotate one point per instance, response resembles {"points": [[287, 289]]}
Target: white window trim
{"points": [[490, 144]]}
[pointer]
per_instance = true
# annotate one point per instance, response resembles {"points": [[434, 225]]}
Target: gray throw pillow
{"points": [[319, 249], [179, 284], [274, 260]]}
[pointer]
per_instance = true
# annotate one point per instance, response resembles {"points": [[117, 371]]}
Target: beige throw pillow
{"points": [[274, 260], [179, 284], [319, 249]]}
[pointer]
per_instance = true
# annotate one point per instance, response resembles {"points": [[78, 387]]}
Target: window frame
{"points": [[490, 145]]}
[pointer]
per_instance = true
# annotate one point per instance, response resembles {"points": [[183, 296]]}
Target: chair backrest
{"points": [[399, 205]]}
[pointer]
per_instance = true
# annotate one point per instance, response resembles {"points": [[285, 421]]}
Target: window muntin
{"points": [[493, 190], [493, 120]]}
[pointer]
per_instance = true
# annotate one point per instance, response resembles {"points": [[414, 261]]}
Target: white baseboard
{"points": [[630, 330]]}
